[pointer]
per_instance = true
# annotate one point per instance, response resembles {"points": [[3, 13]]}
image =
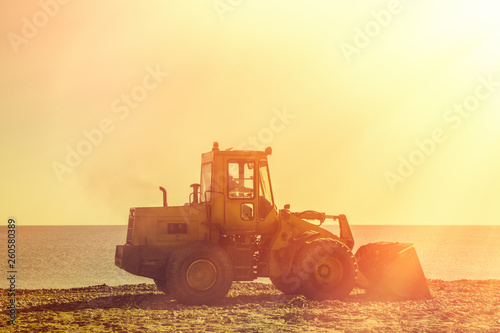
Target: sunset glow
{"points": [[385, 111]]}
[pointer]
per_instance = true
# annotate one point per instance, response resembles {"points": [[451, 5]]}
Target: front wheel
{"points": [[329, 269], [287, 283], [199, 273]]}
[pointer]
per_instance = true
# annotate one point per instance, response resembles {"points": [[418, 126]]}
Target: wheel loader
{"points": [[231, 230]]}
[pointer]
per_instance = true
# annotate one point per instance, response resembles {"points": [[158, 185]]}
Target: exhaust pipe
{"points": [[196, 189], [164, 196]]}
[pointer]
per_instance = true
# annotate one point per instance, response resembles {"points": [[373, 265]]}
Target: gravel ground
{"points": [[456, 306]]}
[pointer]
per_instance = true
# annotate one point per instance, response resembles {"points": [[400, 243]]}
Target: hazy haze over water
{"points": [[77, 256]]}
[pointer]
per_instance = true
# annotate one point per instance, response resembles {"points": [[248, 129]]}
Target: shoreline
{"points": [[460, 306]]}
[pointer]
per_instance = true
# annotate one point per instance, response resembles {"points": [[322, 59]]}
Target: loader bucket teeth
{"points": [[391, 269]]}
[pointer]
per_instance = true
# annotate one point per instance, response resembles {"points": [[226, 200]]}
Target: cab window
{"points": [[241, 179], [266, 202], [206, 183]]}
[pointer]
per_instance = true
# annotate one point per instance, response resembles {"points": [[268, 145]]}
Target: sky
{"points": [[385, 111]]}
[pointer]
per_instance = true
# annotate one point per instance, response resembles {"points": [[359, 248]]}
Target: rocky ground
{"points": [[457, 306]]}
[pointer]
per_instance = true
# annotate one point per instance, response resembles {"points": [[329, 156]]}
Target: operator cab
{"points": [[237, 186]]}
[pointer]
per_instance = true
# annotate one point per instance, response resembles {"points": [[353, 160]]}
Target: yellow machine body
{"points": [[232, 214]]}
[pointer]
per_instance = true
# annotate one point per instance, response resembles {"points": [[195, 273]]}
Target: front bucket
{"points": [[391, 269]]}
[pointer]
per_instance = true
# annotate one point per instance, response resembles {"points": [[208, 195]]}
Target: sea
{"points": [[53, 257]]}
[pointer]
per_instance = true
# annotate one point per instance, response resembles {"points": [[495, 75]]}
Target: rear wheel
{"points": [[328, 268], [161, 285], [199, 273]]}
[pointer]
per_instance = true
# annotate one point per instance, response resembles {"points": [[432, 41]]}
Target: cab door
{"points": [[241, 209]]}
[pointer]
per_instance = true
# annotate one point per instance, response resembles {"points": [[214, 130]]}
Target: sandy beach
{"points": [[456, 306]]}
